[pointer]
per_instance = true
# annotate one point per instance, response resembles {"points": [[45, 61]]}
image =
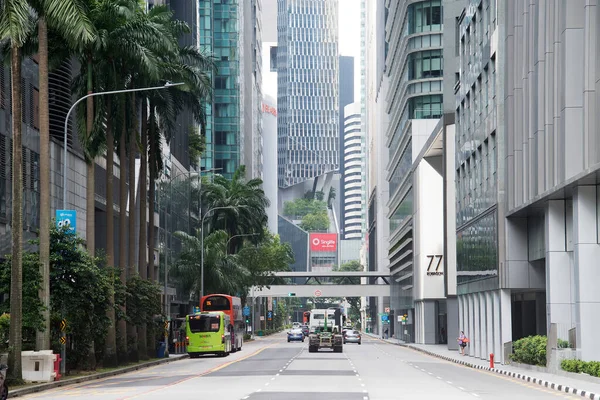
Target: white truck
{"points": [[324, 326]]}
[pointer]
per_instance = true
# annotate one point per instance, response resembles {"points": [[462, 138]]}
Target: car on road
{"points": [[352, 336], [305, 330], [295, 334]]}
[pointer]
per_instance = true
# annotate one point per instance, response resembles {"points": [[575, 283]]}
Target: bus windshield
{"points": [[204, 323], [216, 303]]}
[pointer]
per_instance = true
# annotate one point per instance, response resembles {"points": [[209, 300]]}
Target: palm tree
{"points": [[246, 203], [15, 26], [223, 274], [69, 18]]}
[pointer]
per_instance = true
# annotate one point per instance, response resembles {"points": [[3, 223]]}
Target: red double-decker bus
{"points": [[231, 306]]}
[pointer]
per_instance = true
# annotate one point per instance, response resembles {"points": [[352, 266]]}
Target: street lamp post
{"points": [[202, 244], [65, 153], [240, 235]]}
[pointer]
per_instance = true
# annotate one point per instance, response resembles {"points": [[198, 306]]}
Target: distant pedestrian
{"points": [[462, 342], [385, 333]]}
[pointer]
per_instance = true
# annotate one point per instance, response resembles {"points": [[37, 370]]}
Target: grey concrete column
{"points": [[429, 316], [470, 329], [587, 270], [558, 269], [496, 324], [476, 336], [453, 318], [489, 312], [505, 320]]}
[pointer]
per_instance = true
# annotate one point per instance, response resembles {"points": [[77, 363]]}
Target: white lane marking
{"points": [[362, 384], [272, 379], [365, 398], [356, 374], [439, 377], [267, 384], [475, 394], [259, 390], [461, 388], [365, 391], [281, 370], [430, 373], [276, 374], [448, 382]]}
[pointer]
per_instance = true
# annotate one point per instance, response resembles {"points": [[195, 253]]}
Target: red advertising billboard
{"points": [[323, 242]]}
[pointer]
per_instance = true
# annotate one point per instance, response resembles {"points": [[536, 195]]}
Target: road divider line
{"points": [[200, 374]]}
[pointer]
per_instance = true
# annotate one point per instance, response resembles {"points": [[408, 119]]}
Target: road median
{"points": [[35, 388]]}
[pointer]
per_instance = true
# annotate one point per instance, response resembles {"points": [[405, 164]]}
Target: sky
{"points": [[349, 36]]}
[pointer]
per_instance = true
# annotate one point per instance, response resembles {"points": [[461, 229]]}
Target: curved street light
{"points": [[240, 235], [65, 153]]}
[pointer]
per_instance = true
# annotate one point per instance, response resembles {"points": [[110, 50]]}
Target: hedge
{"points": [[530, 350], [577, 366]]}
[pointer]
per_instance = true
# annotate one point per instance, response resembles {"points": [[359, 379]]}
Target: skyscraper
{"points": [[232, 119], [308, 92]]}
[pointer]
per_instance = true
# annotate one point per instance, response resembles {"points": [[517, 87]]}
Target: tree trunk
{"points": [[151, 204], [110, 346], [43, 337], [143, 246], [152, 195], [90, 193], [122, 326], [16, 270], [132, 336]]}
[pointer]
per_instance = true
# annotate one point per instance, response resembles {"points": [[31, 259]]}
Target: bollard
{"points": [[491, 360], [57, 367]]}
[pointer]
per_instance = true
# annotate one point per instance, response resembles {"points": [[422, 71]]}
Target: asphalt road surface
{"points": [[272, 369]]}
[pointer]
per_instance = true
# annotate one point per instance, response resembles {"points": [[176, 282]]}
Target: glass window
{"points": [[204, 323], [425, 107], [425, 16], [404, 210]]}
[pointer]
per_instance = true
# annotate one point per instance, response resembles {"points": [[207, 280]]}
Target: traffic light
{"points": [[247, 320], [292, 294]]}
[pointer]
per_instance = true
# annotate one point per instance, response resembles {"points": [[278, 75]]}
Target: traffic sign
{"points": [[262, 317], [387, 310], [399, 318], [270, 315], [318, 293], [196, 309], [246, 311], [63, 340], [385, 318], [68, 219]]}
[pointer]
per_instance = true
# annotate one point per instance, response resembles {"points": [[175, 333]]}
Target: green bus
{"points": [[208, 333]]}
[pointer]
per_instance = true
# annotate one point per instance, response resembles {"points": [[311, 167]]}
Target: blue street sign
{"points": [[246, 311], [385, 318], [67, 218], [196, 309], [270, 315]]}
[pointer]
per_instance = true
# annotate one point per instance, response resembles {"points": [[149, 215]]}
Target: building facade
{"points": [[346, 97], [354, 175], [308, 90], [231, 31]]}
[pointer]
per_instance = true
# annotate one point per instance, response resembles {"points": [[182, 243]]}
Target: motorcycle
{"points": [[4, 386]]}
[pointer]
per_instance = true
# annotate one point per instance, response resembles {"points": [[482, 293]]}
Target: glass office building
{"points": [[308, 92]]}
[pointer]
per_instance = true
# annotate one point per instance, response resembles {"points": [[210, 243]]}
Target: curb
{"points": [[71, 381], [540, 382]]}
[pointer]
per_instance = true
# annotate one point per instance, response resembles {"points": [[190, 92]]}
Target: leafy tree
{"points": [[80, 292], [315, 222], [32, 305], [262, 260], [319, 195], [351, 266], [302, 207]]}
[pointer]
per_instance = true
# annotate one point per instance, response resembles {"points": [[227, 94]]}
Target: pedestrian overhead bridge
{"points": [[318, 284]]}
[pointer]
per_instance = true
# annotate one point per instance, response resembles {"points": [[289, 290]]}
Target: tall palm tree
{"points": [[69, 18], [243, 204], [223, 274], [15, 26]]}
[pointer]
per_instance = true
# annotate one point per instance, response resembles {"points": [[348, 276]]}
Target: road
{"points": [[271, 368]]}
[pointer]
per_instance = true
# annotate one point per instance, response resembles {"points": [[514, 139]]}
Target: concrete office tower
{"points": [[354, 176], [346, 97], [377, 121], [231, 31], [308, 90]]}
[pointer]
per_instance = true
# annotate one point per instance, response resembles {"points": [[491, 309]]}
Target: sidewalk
{"points": [[94, 376], [578, 384]]}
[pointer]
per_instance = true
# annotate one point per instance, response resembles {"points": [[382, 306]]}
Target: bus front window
{"points": [[205, 323]]}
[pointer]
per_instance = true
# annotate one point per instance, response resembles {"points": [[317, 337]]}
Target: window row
{"points": [[425, 16]]}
